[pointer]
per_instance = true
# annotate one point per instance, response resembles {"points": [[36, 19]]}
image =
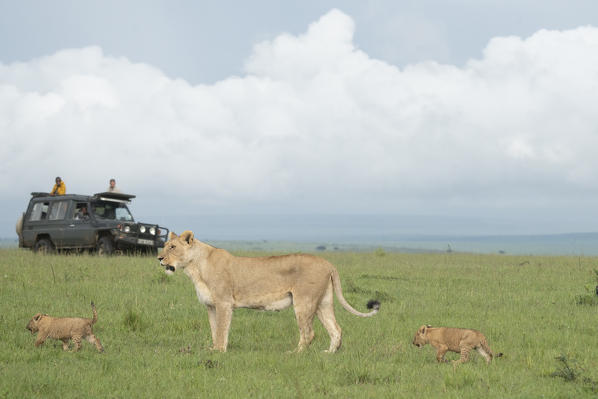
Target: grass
{"points": [[156, 334]]}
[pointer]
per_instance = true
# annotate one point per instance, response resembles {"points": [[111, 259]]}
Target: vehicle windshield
{"points": [[108, 210]]}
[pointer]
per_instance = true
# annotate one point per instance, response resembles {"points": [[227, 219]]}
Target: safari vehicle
{"points": [[101, 222]]}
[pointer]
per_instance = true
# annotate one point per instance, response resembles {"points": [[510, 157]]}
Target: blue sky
{"points": [[482, 111]]}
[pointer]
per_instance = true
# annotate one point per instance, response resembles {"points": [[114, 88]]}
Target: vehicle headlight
{"points": [[153, 231], [127, 229], [142, 229]]}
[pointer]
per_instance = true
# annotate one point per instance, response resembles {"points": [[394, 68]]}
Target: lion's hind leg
{"points": [[325, 313], [304, 314]]}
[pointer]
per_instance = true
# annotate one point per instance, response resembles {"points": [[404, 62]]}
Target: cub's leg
{"points": [[41, 338], [92, 339], [77, 342], [464, 354], [65, 344], [224, 315], [440, 352], [487, 356], [325, 313]]}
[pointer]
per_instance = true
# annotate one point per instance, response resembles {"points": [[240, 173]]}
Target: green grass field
{"points": [[156, 334]]}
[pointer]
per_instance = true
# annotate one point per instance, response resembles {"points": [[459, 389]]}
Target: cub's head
{"points": [[174, 253], [421, 338], [33, 324]]}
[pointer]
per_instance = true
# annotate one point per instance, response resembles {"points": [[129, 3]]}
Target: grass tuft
{"points": [[133, 321]]}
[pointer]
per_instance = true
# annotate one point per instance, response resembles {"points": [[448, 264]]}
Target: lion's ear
{"points": [[171, 235], [422, 330], [37, 317], [187, 236]]}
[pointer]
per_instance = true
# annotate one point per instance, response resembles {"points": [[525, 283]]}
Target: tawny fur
{"points": [[65, 329], [224, 282], [458, 340]]}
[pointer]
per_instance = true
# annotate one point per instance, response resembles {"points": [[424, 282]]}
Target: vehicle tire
{"points": [[105, 246], [44, 246]]}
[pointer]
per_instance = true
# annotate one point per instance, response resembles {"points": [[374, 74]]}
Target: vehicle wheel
{"points": [[105, 246], [43, 246]]}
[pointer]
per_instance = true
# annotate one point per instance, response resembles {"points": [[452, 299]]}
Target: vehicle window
{"points": [[58, 210], [111, 211], [39, 211], [80, 212]]}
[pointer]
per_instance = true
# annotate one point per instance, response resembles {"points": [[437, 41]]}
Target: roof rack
{"points": [[36, 194], [114, 197]]}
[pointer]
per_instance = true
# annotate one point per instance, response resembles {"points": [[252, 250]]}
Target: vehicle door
{"points": [[44, 218], [80, 231], [56, 221]]}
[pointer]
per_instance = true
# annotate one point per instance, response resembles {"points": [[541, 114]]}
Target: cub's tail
{"points": [[95, 313]]}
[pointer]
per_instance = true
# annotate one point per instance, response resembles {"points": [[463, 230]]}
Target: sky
{"points": [[463, 117]]}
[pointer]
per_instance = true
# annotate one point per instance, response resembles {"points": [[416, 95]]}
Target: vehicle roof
{"points": [[107, 196]]}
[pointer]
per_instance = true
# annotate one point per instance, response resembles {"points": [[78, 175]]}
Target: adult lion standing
{"points": [[224, 282]]}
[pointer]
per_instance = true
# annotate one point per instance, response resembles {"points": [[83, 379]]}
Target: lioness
{"points": [[458, 340], [224, 282]]}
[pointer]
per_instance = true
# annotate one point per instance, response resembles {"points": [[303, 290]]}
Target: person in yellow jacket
{"points": [[59, 188]]}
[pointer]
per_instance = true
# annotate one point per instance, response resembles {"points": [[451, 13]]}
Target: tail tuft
{"points": [[498, 354], [373, 304]]}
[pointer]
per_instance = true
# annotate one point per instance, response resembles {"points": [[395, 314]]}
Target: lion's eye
{"points": [[172, 247]]}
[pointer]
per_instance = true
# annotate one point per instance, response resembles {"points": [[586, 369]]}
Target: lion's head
{"points": [[174, 254], [420, 338]]}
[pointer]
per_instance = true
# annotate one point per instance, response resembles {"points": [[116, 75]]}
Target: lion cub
{"points": [[458, 340], [65, 329]]}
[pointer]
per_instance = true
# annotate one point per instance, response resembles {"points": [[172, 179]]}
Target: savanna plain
{"points": [[541, 312]]}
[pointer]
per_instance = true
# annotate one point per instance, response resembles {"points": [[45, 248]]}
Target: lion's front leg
{"points": [[213, 324], [224, 315]]}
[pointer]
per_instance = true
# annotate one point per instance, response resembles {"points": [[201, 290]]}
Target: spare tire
{"points": [[19, 229], [19, 226]]}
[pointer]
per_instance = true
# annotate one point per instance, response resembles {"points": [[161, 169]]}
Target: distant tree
{"points": [[321, 248]]}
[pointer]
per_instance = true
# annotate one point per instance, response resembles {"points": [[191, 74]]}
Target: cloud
{"points": [[313, 123]]}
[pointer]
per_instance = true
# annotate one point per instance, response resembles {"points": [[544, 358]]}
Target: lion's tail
{"points": [[336, 284], [95, 314]]}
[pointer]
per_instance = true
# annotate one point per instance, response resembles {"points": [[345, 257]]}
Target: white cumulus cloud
{"points": [[314, 122]]}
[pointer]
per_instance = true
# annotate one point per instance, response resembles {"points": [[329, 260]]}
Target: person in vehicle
{"points": [[112, 187], [59, 188], [82, 214]]}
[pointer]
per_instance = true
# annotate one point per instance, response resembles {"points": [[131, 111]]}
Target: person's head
{"points": [[58, 180], [112, 182]]}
